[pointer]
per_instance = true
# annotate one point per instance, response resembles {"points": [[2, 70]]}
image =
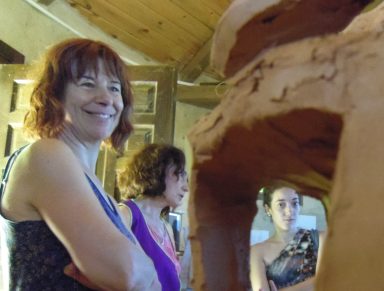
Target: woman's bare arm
{"points": [[322, 237], [62, 197], [258, 273], [126, 215], [307, 285]]}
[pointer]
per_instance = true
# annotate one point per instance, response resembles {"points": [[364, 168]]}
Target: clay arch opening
{"points": [[299, 146]]}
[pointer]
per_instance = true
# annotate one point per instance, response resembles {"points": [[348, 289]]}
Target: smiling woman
{"points": [[289, 258], [63, 231], [93, 105]]}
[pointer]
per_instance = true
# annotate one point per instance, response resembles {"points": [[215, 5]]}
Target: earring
{"points": [[269, 214]]}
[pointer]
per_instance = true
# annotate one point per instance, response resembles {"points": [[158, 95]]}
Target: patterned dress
{"points": [[297, 261], [36, 258]]}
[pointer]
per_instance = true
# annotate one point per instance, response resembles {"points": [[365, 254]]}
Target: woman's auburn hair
{"points": [[66, 62], [144, 174]]}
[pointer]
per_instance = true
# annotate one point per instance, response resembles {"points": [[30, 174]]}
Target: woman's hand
{"points": [[72, 271], [272, 287], [155, 285]]}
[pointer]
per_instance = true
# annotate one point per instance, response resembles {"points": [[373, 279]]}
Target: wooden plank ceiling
{"points": [[171, 32]]}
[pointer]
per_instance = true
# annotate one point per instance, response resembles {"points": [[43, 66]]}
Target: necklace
{"points": [[160, 235], [158, 231], [163, 236]]}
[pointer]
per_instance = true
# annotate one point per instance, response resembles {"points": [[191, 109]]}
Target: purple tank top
{"points": [[166, 269]]}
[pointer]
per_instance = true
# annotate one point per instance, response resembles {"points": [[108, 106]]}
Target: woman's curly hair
{"points": [[146, 171]]}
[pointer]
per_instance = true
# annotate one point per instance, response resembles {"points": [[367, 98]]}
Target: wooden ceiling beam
{"points": [[200, 61], [45, 2], [203, 95]]}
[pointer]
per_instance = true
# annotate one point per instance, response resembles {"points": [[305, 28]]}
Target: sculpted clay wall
{"points": [[310, 112]]}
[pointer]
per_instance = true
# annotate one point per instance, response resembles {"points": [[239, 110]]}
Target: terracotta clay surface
{"points": [[310, 112], [249, 26]]}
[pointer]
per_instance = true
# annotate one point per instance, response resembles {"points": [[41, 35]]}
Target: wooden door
{"points": [[154, 112], [15, 89], [154, 116]]}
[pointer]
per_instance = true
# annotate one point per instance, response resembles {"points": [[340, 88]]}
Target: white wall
{"points": [[186, 116], [28, 30]]}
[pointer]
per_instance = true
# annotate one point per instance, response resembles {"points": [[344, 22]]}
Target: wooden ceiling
{"points": [[168, 32], [171, 32]]}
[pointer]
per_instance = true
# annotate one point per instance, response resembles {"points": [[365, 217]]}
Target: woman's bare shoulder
{"points": [[46, 155], [49, 166], [126, 214], [322, 232], [322, 235], [41, 158], [49, 147], [260, 247]]}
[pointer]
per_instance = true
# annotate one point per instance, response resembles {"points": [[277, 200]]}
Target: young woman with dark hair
{"points": [[289, 258]]}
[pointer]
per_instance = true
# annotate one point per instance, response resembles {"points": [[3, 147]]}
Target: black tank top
{"points": [[36, 258]]}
